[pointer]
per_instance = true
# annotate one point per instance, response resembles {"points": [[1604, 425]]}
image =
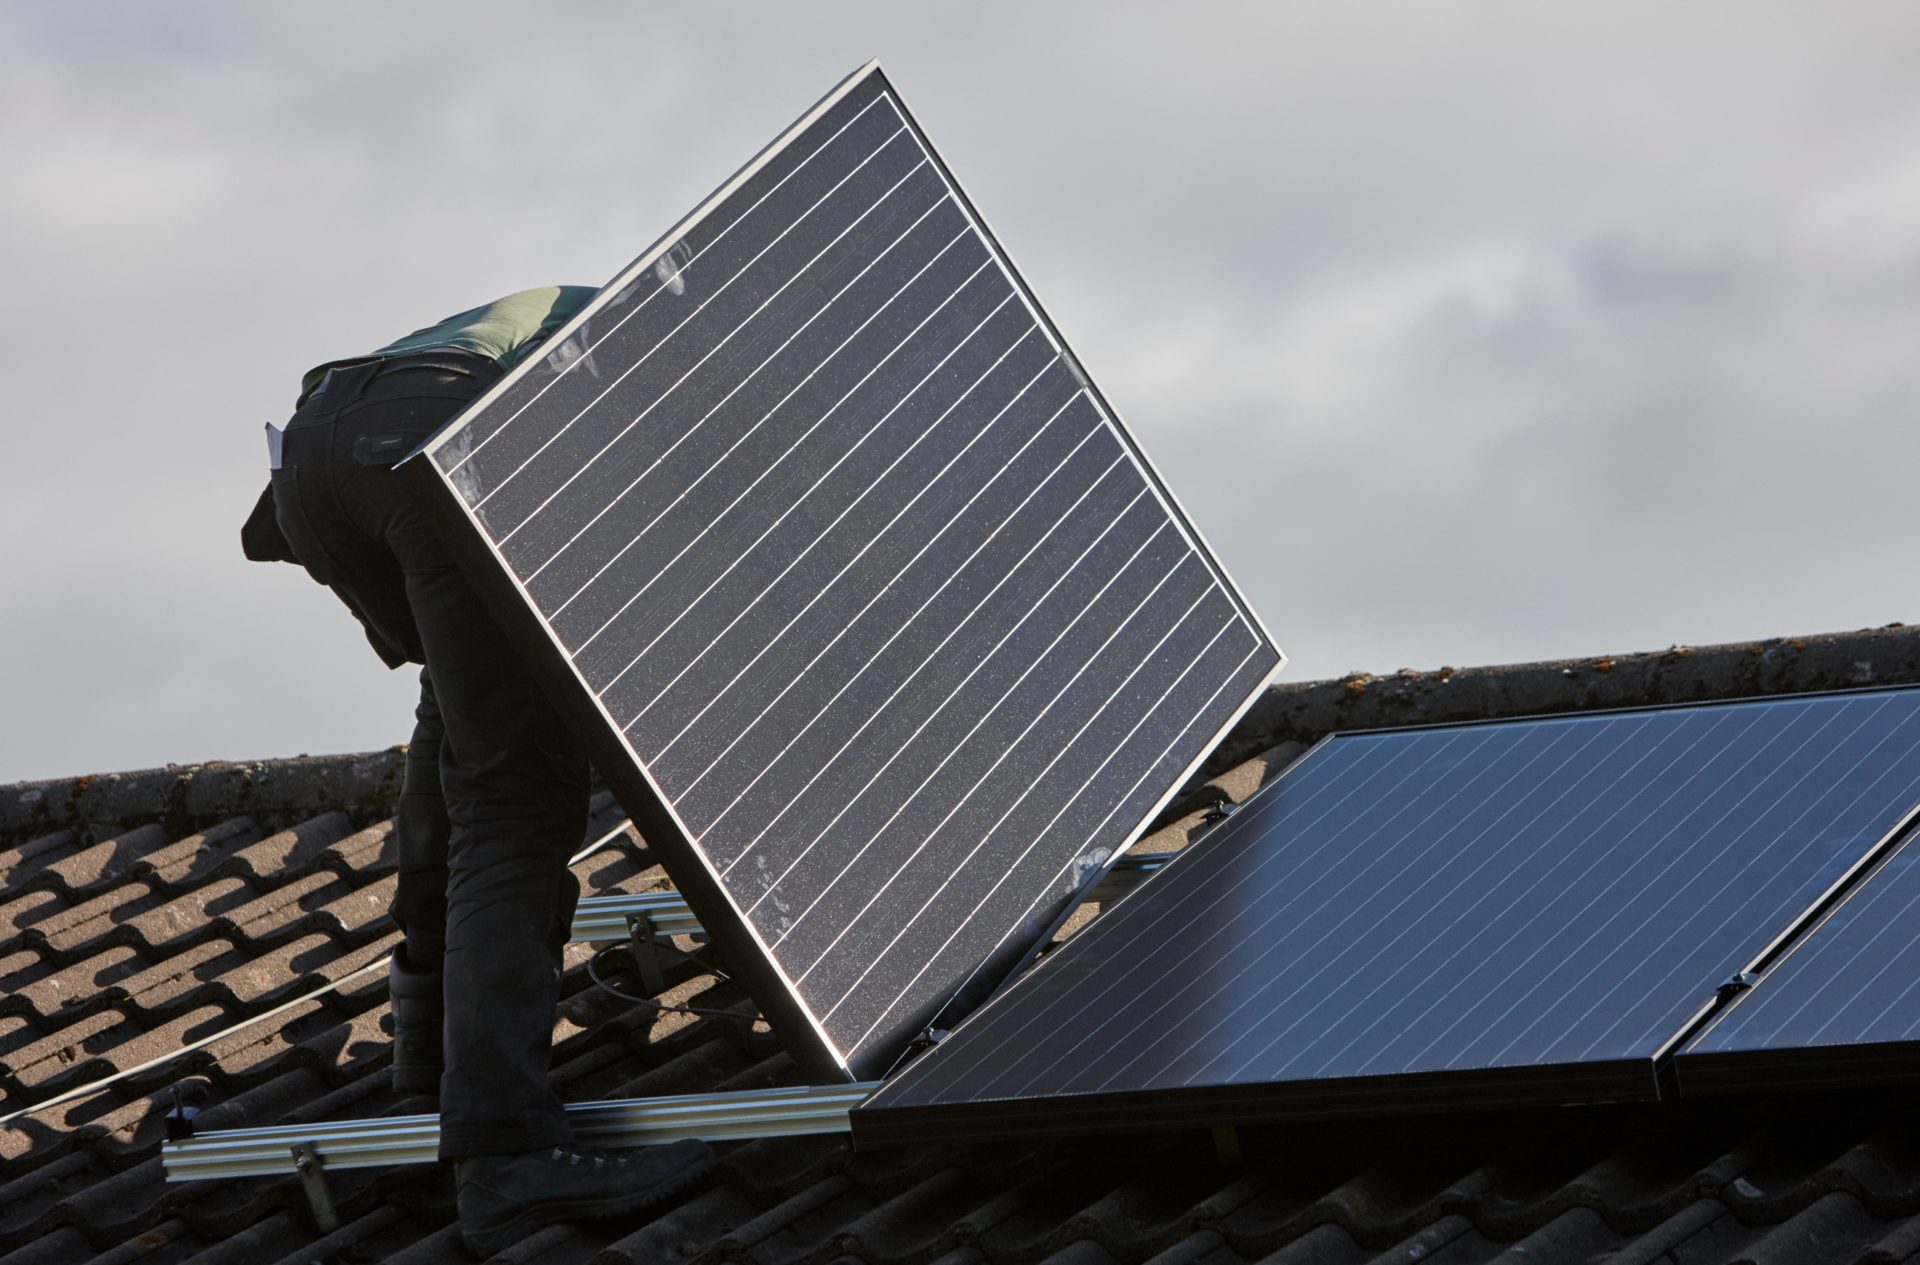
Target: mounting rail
{"points": [[310, 1149], [606, 917], [751, 1113]]}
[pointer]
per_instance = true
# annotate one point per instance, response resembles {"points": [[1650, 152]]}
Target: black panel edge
{"points": [[1630, 710], [1080, 374], [1809, 1067], [1804, 926], [1627, 1080], [718, 919]]}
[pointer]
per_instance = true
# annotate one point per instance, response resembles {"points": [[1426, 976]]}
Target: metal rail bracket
{"points": [[643, 940], [313, 1180]]}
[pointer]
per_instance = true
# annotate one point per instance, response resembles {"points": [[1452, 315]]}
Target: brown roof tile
{"points": [[139, 911]]}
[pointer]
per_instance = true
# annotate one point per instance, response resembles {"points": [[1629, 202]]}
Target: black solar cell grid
{"points": [[1487, 913], [883, 623]]}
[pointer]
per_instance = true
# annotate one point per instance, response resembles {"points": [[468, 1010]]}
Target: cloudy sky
{"points": [[1470, 333]]}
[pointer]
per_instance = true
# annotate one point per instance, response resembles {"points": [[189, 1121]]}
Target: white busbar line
{"points": [[952, 694], [815, 425], [664, 284], [811, 545], [742, 385], [721, 289], [743, 554], [983, 837], [912, 675], [852, 866], [747, 434], [710, 353], [952, 574], [1013, 868]]}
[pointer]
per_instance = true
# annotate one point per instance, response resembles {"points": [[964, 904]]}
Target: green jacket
{"points": [[505, 331]]}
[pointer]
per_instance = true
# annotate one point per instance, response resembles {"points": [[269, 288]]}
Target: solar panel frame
{"points": [[1759, 1040], [892, 1115], [627, 773]]}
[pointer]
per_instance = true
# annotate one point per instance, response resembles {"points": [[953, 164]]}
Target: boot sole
{"points": [[492, 1242]]}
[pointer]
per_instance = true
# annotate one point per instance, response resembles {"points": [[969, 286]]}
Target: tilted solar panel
{"points": [[1475, 914], [1840, 1007], [882, 626]]}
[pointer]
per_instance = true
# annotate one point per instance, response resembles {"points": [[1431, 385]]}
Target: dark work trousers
{"points": [[495, 797]]}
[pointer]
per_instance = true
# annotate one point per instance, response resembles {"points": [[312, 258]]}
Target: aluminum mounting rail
{"points": [[752, 1113], [758, 1113], [607, 917]]}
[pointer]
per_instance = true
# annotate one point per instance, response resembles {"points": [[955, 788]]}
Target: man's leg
{"points": [[419, 907], [516, 788], [515, 793]]}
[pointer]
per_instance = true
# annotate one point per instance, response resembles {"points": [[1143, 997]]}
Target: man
{"points": [[495, 793]]}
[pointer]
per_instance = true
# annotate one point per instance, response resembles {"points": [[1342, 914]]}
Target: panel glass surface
{"points": [[1526, 895], [862, 572], [1853, 981]]}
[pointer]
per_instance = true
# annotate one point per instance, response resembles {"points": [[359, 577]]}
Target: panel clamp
{"points": [[1737, 984], [644, 941], [178, 1120], [1218, 812]]}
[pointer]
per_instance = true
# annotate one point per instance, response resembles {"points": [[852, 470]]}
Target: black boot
{"points": [[502, 1198], [419, 1019]]}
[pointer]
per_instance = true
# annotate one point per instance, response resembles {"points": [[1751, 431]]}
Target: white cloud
{"points": [[1470, 332]]}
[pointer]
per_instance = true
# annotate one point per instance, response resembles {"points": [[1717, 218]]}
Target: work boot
{"points": [[502, 1198], [419, 1020]]}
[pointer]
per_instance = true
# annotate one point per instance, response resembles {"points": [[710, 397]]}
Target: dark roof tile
{"points": [[355, 1240], [1202, 1247], [684, 1233], [62, 1247], [1834, 1227], [1082, 1252], [1898, 1245], [1324, 1244], [795, 1226], [174, 903], [1578, 1234]]}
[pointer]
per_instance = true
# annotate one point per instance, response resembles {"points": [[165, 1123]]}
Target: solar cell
{"points": [[1491, 913], [1841, 1006], [882, 626]]}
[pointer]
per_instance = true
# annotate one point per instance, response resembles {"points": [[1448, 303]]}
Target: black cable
{"points": [[593, 973], [694, 957]]}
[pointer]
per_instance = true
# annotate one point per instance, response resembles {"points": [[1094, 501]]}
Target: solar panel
{"points": [[1474, 914], [1841, 1006], [880, 622]]}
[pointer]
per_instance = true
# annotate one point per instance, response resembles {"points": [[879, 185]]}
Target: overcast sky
{"points": [[1469, 333]]}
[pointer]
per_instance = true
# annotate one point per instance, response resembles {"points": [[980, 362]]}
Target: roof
{"points": [[141, 911]]}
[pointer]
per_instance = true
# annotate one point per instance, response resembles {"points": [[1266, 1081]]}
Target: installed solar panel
{"points": [[1839, 1007], [883, 627], [1488, 913]]}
